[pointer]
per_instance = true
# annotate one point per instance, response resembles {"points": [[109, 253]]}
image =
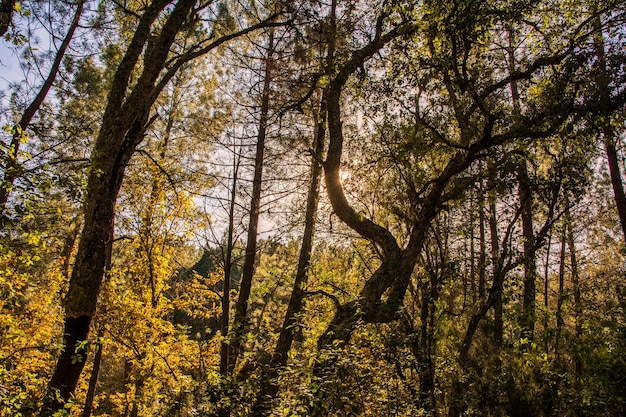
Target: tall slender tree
{"points": [[296, 301], [607, 131], [240, 316], [11, 162]]}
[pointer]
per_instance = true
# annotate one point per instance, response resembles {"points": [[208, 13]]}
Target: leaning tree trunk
{"points": [[123, 125], [11, 169], [295, 305], [269, 388], [86, 279], [124, 122]]}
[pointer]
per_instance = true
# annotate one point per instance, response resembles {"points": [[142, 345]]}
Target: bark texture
{"points": [[122, 129]]}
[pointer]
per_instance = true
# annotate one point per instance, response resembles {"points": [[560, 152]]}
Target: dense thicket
{"points": [[313, 208]]}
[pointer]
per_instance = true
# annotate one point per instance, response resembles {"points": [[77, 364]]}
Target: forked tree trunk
{"points": [[122, 129]]}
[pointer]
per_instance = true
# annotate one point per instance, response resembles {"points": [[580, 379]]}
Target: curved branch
{"points": [[332, 166]]}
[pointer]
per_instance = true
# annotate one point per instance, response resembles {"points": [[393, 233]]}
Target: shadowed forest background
{"points": [[312, 208]]}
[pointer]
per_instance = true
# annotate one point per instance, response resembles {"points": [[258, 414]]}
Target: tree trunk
{"points": [[87, 273], [616, 177], [296, 302], [472, 256], [228, 266], [578, 359], [238, 329], [68, 246], [482, 258], [426, 366], [11, 169], [300, 283], [546, 291], [493, 300], [95, 372], [123, 125], [457, 402], [394, 272], [527, 319], [294, 307], [139, 388], [498, 278], [560, 296], [609, 136]]}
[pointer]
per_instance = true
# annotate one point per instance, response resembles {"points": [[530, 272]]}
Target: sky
{"points": [[9, 66], [39, 39]]}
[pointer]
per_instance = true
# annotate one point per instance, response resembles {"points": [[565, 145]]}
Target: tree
{"points": [[469, 93], [269, 388], [19, 131], [458, 144], [605, 126], [125, 119], [241, 307]]}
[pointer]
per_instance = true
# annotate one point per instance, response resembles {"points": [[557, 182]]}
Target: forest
{"points": [[312, 208]]}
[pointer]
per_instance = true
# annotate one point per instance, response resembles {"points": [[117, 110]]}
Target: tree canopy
{"points": [[308, 208]]}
